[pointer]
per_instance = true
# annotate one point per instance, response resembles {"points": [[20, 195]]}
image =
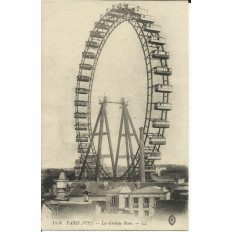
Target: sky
{"points": [[120, 73]]}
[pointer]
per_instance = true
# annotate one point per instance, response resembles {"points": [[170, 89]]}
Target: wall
{"points": [[152, 202], [122, 201], [109, 207]]}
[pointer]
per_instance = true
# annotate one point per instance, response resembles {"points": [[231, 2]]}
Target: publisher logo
{"points": [[172, 220]]}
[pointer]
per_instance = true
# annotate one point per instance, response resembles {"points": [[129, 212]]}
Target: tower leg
{"points": [[142, 163], [99, 149], [118, 146], [90, 144], [128, 134], [109, 139]]}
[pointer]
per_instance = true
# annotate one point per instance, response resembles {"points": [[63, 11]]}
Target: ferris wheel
{"points": [[158, 90]]}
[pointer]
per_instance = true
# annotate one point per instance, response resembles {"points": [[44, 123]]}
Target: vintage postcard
{"points": [[114, 115]]}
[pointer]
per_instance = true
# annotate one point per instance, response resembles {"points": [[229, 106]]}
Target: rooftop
{"points": [[120, 189], [101, 189], [150, 190], [162, 179], [93, 189], [182, 188]]}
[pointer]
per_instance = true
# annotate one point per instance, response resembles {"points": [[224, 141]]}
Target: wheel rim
{"points": [[112, 19]]}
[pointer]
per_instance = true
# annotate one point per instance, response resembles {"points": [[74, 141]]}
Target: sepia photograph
{"points": [[109, 115], [114, 115]]}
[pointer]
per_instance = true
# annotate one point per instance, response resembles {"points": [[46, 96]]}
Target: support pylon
{"points": [[101, 119], [126, 122], [124, 131]]}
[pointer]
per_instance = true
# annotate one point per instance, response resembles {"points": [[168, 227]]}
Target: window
{"points": [[157, 198], [146, 200], [136, 201], [136, 212], [146, 213], [113, 200], [126, 202]]}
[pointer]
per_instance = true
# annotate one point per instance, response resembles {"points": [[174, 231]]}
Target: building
{"points": [[177, 172], [171, 207], [117, 200], [143, 201], [180, 192], [69, 210], [162, 179], [91, 192], [85, 198], [159, 169]]}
